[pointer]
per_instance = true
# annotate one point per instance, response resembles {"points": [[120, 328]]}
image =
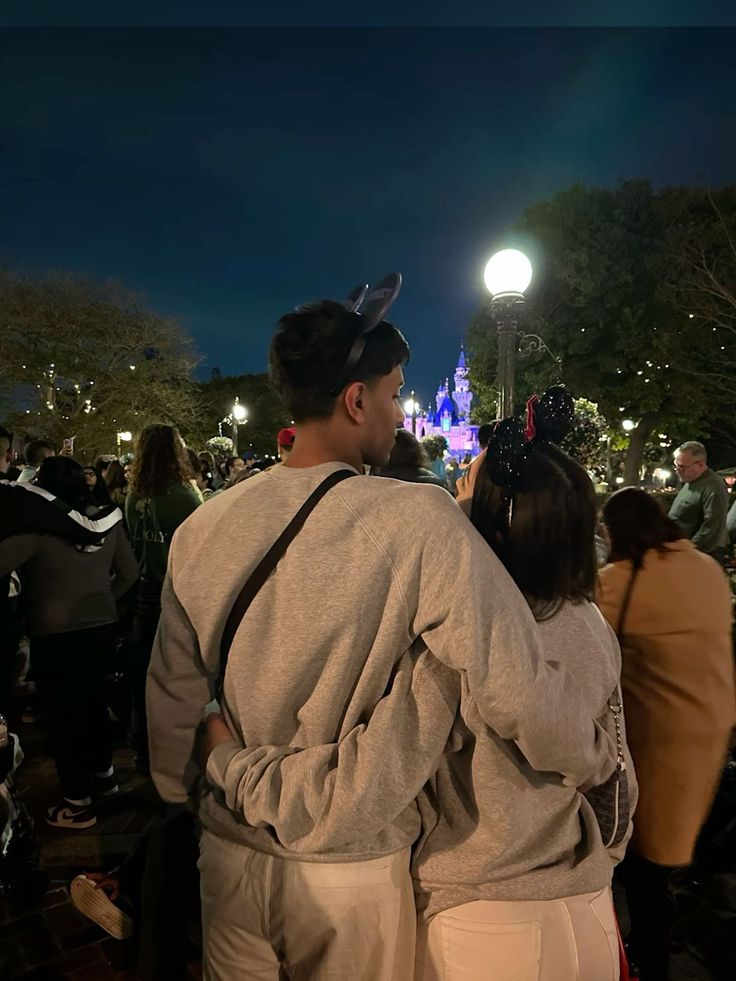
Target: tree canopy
{"points": [[623, 295], [267, 413], [89, 360]]}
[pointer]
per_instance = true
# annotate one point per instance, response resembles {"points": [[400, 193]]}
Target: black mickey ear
{"points": [[355, 298], [379, 300], [507, 450], [555, 414]]}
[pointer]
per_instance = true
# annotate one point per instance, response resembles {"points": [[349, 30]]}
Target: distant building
{"points": [[452, 417]]}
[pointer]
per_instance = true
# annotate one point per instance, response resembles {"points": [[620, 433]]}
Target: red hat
{"points": [[286, 437]]}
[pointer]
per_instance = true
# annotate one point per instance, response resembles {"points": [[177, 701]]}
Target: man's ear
{"points": [[353, 399]]}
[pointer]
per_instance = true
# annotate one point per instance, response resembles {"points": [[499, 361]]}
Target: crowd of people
{"points": [[414, 727]]}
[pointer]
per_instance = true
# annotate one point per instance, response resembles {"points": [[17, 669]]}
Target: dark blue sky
{"points": [[232, 173]]}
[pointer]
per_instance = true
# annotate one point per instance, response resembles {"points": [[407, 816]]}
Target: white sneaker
{"points": [[97, 906], [70, 817]]}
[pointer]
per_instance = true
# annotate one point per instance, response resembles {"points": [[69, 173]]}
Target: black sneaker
{"points": [[70, 817], [105, 786]]}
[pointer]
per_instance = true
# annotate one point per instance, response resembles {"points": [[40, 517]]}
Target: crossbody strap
{"points": [[627, 599], [267, 564]]}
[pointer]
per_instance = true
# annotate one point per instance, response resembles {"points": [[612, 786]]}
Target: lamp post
{"points": [[239, 415], [411, 408], [507, 276], [124, 437]]}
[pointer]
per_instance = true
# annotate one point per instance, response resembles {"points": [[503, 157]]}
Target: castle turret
{"points": [[462, 395], [442, 393]]}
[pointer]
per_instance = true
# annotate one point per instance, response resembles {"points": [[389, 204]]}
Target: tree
{"points": [[605, 301], [87, 359], [267, 413], [701, 229], [589, 441]]}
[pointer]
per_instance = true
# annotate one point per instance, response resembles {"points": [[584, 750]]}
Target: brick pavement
{"points": [[50, 940]]}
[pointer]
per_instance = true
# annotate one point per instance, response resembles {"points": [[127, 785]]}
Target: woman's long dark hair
{"points": [[64, 478], [636, 524], [545, 532], [160, 461], [100, 493], [115, 477]]}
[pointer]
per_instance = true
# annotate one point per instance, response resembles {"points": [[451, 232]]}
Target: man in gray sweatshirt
{"points": [[360, 605]]}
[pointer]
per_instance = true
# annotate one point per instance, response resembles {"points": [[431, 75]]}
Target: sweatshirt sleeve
{"points": [[16, 551], [477, 622], [320, 798], [177, 690], [124, 565]]}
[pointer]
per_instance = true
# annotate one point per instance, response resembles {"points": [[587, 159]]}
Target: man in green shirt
{"points": [[701, 505]]}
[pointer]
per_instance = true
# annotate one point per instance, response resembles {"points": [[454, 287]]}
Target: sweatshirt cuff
{"points": [[219, 760]]}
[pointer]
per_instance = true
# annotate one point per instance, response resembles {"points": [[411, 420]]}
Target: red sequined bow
{"points": [[531, 418]]}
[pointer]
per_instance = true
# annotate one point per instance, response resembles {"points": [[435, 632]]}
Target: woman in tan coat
{"points": [[671, 606]]}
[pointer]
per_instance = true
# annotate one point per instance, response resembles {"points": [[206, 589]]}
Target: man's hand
{"points": [[215, 732]]}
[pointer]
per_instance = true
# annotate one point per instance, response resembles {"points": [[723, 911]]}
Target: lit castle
{"points": [[452, 418]]}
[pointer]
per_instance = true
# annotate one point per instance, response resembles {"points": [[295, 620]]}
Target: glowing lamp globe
{"points": [[239, 412], [628, 425], [508, 271], [410, 407]]}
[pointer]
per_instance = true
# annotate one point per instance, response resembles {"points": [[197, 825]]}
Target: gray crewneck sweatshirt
{"points": [[492, 827], [387, 588]]}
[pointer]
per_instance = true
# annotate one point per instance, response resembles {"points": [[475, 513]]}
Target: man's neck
{"points": [[318, 443]]}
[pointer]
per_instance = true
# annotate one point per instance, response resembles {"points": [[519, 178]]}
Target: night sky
{"points": [[230, 174]]}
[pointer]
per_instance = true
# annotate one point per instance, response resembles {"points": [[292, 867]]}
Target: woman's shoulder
{"points": [[579, 636], [183, 491], [576, 617], [613, 576]]}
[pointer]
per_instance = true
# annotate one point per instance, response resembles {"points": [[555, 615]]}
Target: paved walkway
{"points": [[51, 941]]}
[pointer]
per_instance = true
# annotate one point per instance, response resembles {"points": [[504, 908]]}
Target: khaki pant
{"points": [[266, 918], [560, 940]]}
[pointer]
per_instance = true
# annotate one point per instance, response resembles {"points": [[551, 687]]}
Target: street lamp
{"points": [[507, 276], [239, 414], [411, 408], [629, 425], [124, 437]]}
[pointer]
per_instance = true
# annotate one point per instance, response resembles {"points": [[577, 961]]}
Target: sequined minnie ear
{"points": [[508, 450], [554, 414]]}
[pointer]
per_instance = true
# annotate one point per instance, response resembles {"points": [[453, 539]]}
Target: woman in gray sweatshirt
{"points": [[69, 596]]}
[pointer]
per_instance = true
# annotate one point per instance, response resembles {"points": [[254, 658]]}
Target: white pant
{"points": [[571, 939], [266, 918]]}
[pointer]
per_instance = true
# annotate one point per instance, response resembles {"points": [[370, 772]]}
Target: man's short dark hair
{"points": [[484, 433], [36, 451], [310, 348]]}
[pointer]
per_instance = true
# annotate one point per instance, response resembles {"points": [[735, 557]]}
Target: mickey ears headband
{"points": [[371, 305], [548, 420]]}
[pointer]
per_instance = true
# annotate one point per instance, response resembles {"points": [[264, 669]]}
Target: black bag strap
{"points": [[627, 599], [267, 564]]}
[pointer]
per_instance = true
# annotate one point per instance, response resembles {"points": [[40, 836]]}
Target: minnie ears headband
{"points": [[548, 420], [371, 304]]}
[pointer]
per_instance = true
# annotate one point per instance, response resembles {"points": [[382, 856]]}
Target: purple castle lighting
{"points": [[452, 416]]}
